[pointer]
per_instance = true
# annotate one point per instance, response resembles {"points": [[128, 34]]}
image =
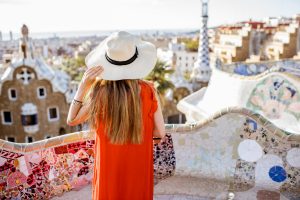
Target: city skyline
{"points": [[62, 16]]}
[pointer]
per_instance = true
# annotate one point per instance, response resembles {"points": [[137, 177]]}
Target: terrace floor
{"points": [[176, 186], [85, 193]]}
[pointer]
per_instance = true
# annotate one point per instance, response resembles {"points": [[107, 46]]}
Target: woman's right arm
{"points": [[78, 113]]}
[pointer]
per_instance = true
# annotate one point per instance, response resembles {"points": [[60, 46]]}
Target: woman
{"points": [[123, 111]]}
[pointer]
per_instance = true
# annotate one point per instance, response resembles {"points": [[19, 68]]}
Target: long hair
{"points": [[117, 104]]}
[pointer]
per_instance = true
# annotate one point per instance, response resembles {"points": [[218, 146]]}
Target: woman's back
{"points": [[122, 171], [126, 170]]}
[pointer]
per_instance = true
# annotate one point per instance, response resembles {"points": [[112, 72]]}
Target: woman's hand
{"points": [[90, 75], [79, 114]]}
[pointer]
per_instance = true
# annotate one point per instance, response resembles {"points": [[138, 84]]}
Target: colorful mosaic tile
{"points": [[218, 149], [50, 172], [244, 176], [276, 98]]}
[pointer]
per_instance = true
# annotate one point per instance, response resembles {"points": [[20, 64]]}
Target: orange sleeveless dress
{"points": [[125, 172]]}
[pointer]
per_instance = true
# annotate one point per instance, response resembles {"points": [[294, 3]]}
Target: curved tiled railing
{"points": [[273, 94], [262, 67], [237, 148]]}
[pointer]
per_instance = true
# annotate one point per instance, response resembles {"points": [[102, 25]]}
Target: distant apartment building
{"points": [[284, 42], [83, 49], [34, 98], [297, 57], [274, 38], [183, 58], [159, 42], [234, 43]]}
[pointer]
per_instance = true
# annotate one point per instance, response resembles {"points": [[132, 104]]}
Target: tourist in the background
{"points": [[125, 114]]}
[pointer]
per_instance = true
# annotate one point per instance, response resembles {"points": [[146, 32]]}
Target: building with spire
{"points": [[201, 71], [34, 98]]}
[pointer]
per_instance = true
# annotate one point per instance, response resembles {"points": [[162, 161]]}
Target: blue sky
{"points": [[81, 15]]}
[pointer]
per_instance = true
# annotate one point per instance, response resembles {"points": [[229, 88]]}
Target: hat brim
{"points": [[138, 69]]}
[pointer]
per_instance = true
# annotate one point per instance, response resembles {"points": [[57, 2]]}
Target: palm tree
{"points": [[159, 77]]}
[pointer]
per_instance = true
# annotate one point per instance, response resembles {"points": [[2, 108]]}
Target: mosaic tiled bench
{"points": [[275, 95], [236, 146], [254, 68]]}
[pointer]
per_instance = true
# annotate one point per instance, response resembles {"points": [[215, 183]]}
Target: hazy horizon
{"points": [[53, 16]]}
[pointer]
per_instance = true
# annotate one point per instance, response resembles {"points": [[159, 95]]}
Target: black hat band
{"points": [[126, 62]]}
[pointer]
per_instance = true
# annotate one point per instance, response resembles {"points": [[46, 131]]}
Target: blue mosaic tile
{"points": [[277, 174]]}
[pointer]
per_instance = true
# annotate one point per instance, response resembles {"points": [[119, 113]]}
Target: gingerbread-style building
{"points": [[34, 97]]}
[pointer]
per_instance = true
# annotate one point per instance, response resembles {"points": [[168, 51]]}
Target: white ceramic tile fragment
{"points": [[293, 157], [250, 150], [2, 161]]}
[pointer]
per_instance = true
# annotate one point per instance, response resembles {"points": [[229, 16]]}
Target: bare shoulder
{"points": [[145, 81], [150, 84]]}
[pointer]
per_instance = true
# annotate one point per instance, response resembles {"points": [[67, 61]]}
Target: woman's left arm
{"points": [[78, 112]]}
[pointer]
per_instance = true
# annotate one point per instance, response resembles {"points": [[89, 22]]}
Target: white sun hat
{"points": [[123, 56]]}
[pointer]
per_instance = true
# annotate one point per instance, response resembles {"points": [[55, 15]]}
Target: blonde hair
{"points": [[117, 104]]}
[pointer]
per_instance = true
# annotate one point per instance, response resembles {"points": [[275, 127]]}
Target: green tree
{"points": [[187, 75], [159, 77], [191, 44], [75, 67]]}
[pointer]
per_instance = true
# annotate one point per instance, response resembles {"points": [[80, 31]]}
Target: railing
{"points": [[261, 68], [235, 146]]}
